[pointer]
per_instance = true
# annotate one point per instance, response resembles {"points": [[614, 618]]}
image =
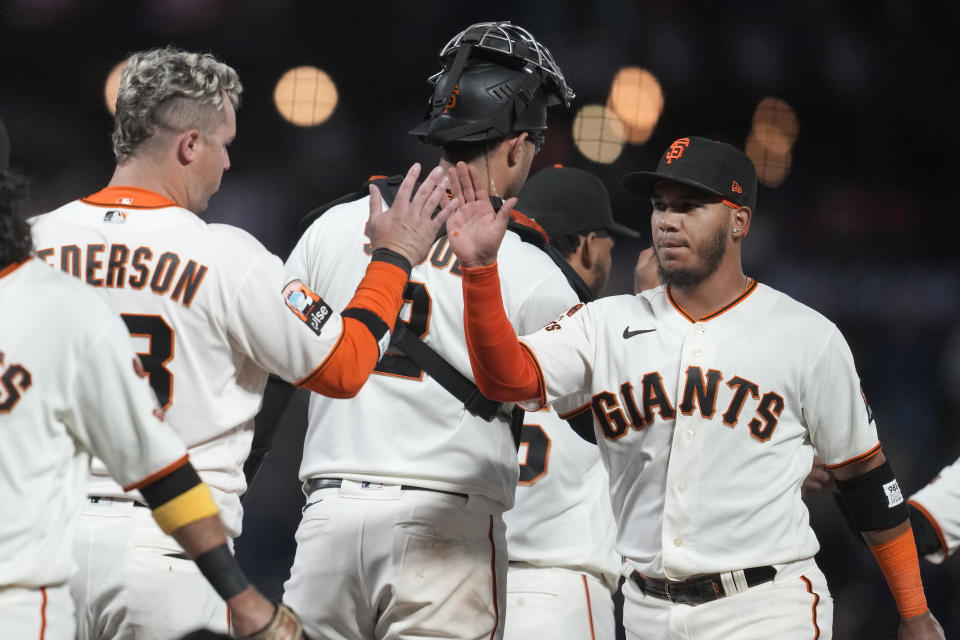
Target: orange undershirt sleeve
{"points": [[503, 370], [370, 314], [900, 565]]}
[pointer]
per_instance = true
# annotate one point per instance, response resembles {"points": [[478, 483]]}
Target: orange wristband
{"points": [[901, 567]]}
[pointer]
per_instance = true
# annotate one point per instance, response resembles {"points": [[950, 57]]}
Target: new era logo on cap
{"points": [[715, 167]]}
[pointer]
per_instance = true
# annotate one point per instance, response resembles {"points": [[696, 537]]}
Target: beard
{"points": [[711, 253]]}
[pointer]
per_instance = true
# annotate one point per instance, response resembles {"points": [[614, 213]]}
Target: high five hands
{"points": [[475, 230]]}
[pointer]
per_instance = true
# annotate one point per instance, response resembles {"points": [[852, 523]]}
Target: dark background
{"points": [[863, 228]]}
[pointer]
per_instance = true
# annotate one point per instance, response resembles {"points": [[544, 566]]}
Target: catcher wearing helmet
{"points": [[402, 533]]}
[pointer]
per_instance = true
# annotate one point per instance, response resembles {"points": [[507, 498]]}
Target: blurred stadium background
{"points": [[849, 111]]}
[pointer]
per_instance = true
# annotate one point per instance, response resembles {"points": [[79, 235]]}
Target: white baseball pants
{"points": [[45, 613]]}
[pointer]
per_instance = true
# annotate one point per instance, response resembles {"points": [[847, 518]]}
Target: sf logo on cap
{"points": [[676, 149]]}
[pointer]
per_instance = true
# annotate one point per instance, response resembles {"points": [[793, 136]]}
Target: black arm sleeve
{"points": [[276, 397]]}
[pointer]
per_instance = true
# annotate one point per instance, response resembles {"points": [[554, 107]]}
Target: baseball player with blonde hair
{"points": [[69, 388], [708, 397], [212, 312]]}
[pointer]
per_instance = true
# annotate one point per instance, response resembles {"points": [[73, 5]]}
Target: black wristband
{"points": [[377, 327], [388, 255], [874, 499], [221, 570], [924, 534]]}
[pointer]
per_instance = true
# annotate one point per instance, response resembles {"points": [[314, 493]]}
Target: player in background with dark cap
{"points": [[561, 531], [709, 396], [402, 534]]}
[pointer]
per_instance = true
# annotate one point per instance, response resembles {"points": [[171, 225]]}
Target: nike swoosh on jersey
{"points": [[627, 334]]}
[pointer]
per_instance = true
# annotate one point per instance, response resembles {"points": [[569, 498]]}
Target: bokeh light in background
{"points": [[636, 97], [111, 86], [305, 96], [598, 133], [770, 142]]}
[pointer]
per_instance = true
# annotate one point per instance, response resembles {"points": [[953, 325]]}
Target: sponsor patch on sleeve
{"points": [[306, 305]]}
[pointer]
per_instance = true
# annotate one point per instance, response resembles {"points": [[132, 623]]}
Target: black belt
{"points": [[313, 484], [698, 590]]}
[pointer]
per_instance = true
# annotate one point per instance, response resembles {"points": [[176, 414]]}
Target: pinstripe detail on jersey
{"points": [[863, 456], [153, 477], [933, 522], [128, 198], [751, 287], [813, 608]]}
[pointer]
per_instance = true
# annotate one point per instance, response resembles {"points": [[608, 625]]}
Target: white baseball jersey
{"points": [[403, 426], [940, 501], [211, 311], [707, 428], [562, 515], [68, 389]]}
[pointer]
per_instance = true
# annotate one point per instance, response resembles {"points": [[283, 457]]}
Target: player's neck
{"points": [[718, 290], [144, 174]]}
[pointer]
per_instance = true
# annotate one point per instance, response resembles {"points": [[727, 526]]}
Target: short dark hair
{"points": [[15, 242], [567, 244]]}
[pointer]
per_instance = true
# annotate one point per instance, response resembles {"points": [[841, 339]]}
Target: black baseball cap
{"points": [[716, 167], [567, 201], [4, 147]]}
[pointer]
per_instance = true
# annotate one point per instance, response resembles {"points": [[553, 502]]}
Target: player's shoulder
{"points": [[54, 293], [799, 314], [523, 259], [55, 216], [341, 213]]}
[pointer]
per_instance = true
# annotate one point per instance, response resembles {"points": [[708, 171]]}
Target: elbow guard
{"points": [[873, 500]]}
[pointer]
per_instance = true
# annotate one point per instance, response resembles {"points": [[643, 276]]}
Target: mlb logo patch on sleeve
{"points": [[306, 305]]}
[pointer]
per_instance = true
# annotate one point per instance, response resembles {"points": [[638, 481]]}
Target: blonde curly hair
{"points": [[167, 91]]}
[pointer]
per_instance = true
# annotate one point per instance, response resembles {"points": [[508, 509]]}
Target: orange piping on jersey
{"points": [[813, 609], [493, 575], [138, 199], [936, 525], [10, 268], [43, 613], [710, 316], [586, 590], [153, 477], [863, 456], [576, 412]]}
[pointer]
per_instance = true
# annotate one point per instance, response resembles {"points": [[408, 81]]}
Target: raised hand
{"points": [[475, 230], [409, 226], [645, 275]]}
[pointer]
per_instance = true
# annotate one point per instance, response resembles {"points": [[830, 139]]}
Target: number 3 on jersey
{"points": [[534, 454], [155, 359]]}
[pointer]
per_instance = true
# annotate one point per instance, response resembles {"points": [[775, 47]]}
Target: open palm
{"points": [[475, 229]]}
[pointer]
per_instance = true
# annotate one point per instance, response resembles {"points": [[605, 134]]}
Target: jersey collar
{"points": [[740, 298], [129, 198]]}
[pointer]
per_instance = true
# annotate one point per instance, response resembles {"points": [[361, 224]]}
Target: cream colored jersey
{"points": [[210, 310], [708, 427], [403, 427], [940, 500], [562, 515], [68, 389]]}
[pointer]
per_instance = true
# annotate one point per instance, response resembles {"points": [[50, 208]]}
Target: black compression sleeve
{"points": [[221, 570]]}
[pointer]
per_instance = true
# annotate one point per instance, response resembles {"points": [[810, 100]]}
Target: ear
{"points": [[516, 149], [741, 222], [187, 146], [583, 251]]}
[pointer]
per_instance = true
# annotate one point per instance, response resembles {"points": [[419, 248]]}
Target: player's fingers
{"points": [[425, 190], [454, 183], [436, 197], [445, 213], [376, 203], [479, 181], [466, 183], [406, 187], [506, 210]]}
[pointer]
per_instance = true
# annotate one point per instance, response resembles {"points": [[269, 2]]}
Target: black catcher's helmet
{"points": [[496, 78]]}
